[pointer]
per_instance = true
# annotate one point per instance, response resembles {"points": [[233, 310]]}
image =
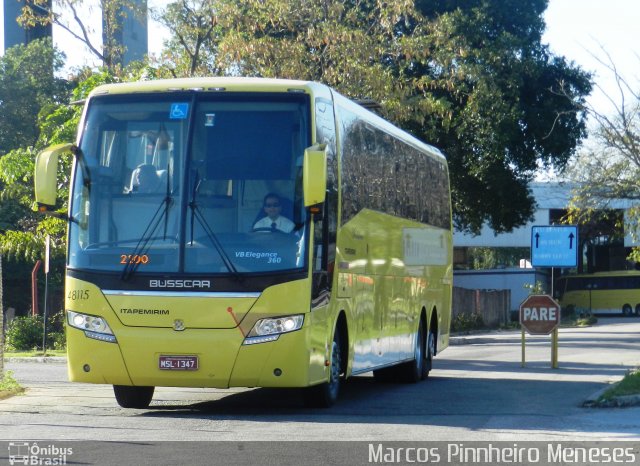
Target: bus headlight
{"points": [[93, 327], [270, 329]]}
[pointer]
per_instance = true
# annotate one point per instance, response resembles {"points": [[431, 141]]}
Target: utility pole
{"points": [[1, 327]]}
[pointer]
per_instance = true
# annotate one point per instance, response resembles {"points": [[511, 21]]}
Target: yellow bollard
{"points": [[523, 343], [554, 348]]}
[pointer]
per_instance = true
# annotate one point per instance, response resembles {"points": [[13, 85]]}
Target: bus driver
{"points": [[273, 220]]}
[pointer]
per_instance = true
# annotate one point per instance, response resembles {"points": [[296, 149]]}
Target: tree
{"points": [[608, 168], [513, 106], [471, 77], [112, 13], [22, 231], [192, 46], [28, 91], [27, 83]]}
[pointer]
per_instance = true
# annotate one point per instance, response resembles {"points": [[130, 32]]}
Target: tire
{"points": [[326, 394], [133, 397], [637, 309], [626, 310], [431, 351], [418, 369], [571, 310]]}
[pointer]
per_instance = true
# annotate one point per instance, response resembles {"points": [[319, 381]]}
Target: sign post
{"points": [[540, 315], [46, 294], [551, 246]]}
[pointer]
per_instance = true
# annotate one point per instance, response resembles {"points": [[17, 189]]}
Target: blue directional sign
{"points": [[554, 246]]}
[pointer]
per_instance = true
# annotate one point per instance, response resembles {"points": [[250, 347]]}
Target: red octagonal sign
{"points": [[539, 314]]}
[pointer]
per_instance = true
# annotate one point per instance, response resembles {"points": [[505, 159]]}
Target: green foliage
{"points": [[22, 231], [88, 80], [607, 170], [25, 333], [17, 166], [471, 77], [467, 321], [536, 288], [479, 258], [8, 385], [572, 317], [629, 385], [27, 83], [58, 124], [111, 49], [191, 48]]}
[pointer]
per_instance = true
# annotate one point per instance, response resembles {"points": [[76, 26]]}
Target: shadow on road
{"points": [[438, 401]]}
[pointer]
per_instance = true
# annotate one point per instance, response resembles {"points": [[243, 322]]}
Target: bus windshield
{"points": [[201, 183]]}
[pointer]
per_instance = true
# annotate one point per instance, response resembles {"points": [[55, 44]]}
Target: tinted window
{"points": [[383, 173]]}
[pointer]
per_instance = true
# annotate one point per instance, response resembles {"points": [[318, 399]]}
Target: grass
{"points": [[9, 386], [33, 353], [629, 385], [573, 320]]}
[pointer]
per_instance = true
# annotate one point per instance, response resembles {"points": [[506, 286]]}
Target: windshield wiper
{"points": [[161, 213], [196, 213]]}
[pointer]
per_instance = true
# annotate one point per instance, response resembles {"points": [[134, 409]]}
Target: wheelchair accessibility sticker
{"points": [[179, 111]]}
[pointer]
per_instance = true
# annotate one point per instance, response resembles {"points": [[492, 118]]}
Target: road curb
{"points": [[458, 341], [622, 401], [39, 359]]}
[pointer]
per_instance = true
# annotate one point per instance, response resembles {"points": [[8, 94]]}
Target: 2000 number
{"points": [[134, 259]]}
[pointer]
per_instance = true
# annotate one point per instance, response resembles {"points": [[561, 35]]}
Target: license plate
{"points": [[178, 363]]}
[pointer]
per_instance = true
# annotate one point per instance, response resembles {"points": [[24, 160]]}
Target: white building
{"points": [[552, 199]]}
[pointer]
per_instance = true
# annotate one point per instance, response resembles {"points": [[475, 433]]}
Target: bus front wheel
{"points": [[133, 397], [326, 394]]}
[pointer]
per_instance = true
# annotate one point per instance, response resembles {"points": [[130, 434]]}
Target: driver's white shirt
{"points": [[282, 223]]}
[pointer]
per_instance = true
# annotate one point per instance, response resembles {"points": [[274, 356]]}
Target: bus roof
{"points": [[211, 84]]}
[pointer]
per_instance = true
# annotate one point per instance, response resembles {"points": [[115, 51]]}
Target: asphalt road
{"points": [[478, 391]]}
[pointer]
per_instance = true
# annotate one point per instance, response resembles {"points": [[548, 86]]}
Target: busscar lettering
{"points": [[160, 312], [180, 284]]}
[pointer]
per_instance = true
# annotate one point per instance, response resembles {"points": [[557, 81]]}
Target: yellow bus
{"points": [[600, 293], [239, 232]]}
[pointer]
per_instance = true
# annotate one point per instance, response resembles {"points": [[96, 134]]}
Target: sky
{"points": [[580, 30], [583, 30]]}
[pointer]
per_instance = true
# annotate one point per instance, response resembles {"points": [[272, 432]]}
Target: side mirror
{"points": [[45, 177], [314, 175]]}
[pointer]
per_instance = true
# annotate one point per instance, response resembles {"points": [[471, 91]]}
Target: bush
{"points": [[25, 334], [467, 321], [57, 340]]}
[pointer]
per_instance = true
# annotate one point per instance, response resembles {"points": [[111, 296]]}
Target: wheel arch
{"points": [[341, 328]]}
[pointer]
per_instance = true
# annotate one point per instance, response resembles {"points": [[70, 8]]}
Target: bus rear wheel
{"points": [[133, 397], [626, 310], [418, 369]]}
